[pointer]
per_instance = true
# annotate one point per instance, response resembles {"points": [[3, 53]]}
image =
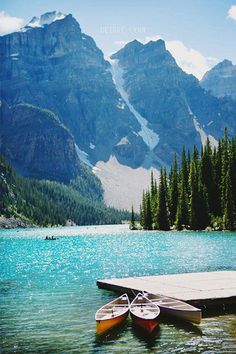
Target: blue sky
{"points": [[199, 33]]}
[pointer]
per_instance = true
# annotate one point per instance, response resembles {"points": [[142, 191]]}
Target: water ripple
{"points": [[48, 293]]}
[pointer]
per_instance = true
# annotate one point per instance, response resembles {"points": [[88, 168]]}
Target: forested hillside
{"points": [[47, 203], [199, 191]]}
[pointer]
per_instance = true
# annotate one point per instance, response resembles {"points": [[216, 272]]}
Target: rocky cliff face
{"points": [[137, 110], [57, 67], [173, 103], [37, 144], [220, 81]]}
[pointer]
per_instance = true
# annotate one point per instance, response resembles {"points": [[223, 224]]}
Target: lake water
{"points": [[48, 293]]}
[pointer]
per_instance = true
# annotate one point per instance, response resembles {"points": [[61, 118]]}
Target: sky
{"points": [[198, 33]]}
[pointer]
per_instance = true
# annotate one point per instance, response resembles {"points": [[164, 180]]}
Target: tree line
{"points": [[48, 203], [197, 192]]}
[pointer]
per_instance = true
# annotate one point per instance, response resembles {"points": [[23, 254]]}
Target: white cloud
{"points": [[9, 24], [121, 43], [190, 60], [151, 38], [232, 12]]}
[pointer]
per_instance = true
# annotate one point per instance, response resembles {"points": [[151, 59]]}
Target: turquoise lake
{"points": [[48, 292]]}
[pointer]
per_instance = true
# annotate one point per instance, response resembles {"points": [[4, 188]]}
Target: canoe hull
{"points": [[103, 326], [148, 325], [176, 308], [190, 316]]}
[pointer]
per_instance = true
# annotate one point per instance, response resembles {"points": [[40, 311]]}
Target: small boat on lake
{"points": [[144, 313], [50, 238], [176, 308], [112, 314]]}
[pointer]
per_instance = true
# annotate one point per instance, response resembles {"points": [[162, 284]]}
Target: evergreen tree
{"points": [[162, 211], [153, 195], [173, 191], [184, 168], [132, 220], [194, 197], [229, 202], [217, 167], [224, 168], [207, 176], [200, 192], [143, 212], [148, 214], [182, 215]]}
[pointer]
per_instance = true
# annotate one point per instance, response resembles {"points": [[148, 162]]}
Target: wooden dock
{"points": [[205, 290]]}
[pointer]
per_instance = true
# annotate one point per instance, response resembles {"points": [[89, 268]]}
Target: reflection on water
{"points": [[48, 293], [149, 340]]}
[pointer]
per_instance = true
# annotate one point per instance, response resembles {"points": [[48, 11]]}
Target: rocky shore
{"points": [[13, 223]]}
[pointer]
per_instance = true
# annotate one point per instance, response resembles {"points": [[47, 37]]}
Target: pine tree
{"points": [[184, 168], [143, 212], [152, 185], [198, 210], [153, 195], [201, 191], [182, 215], [217, 168], [141, 215], [148, 215], [207, 176], [194, 197], [173, 191], [224, 168], [132, 225], [162, 211], [228, 217]]}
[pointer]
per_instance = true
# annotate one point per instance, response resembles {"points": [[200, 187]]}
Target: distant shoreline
{"points": [[14, 223], [17, 223]]}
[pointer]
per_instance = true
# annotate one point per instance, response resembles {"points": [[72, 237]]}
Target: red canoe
{"points": [[144, 313]]}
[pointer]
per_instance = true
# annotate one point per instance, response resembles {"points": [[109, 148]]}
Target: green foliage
{"points": [[162, 211], [132, 225], [201, 191], [88, 185], [48, 203], [173, 191]]}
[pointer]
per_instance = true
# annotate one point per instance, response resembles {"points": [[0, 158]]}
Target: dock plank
{"points": [[206, 288]]}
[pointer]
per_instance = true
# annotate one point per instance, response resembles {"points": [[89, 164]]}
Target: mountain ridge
{"points": [[220, 81], [139, 110]]}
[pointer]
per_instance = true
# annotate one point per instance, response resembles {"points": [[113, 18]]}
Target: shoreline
{"points": [[22, 226], [14, 223]]}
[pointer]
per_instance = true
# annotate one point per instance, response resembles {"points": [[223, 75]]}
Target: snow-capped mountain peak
{"points": [[45, 19]]}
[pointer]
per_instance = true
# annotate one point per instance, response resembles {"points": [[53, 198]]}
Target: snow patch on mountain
{"points": [[202, 133], [45, 19], [123, 141], [83, 156], [120, 104], [208, 124], [123, 186], [150, 138]]}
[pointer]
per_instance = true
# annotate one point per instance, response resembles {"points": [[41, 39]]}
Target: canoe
{"points": [[176, 308], [144, 313], [112, 314]]}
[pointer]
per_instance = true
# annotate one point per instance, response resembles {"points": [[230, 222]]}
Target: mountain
{"points": [[34, 141], [174, 105], [122, 117], [220, 81], [53, 65]]}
